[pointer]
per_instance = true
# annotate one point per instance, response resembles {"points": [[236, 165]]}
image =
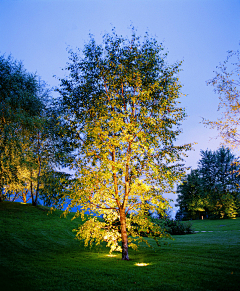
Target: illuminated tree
{"points": [[191, 198], [31, 139], [45, 149], [19, 110], [212, 189], [121, 103], [226, 84]]}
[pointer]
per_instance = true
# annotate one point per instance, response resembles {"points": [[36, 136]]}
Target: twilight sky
{"points": [[197, 32]]}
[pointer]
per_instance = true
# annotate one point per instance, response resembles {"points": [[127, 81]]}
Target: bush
{"points": [[174, 227]]}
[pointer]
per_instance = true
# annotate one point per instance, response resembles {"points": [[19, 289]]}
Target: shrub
{"points": [[174, 227]]}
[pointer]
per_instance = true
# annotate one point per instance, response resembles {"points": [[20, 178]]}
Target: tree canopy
{"points": [[121, 102], [212, 190], [19, 111], [226, 84], [31, 140]]}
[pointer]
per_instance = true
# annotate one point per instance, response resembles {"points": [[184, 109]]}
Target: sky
{"points": [[197, 32]]}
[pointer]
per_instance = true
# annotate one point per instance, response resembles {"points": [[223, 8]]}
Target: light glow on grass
{"points": [[111, 255], [141, 264]]}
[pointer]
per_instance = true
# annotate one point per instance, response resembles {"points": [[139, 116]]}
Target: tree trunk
{"points": [[38, 182], [39, 170], [34, 201], [24, 196], [1, 188], [124, 235]]}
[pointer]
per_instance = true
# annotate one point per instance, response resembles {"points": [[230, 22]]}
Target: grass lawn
{"points": [[216, 225], [38, 252]]}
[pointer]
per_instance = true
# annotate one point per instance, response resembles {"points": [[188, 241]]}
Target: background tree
{"points": [[226, 84], [32, 143], [54, 184], [19, 109], [212, 189], [220, 181], [121, 103], [47, 150], [191, 198]]}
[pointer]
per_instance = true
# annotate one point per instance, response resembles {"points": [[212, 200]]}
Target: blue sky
{"points": [[197, 32]]}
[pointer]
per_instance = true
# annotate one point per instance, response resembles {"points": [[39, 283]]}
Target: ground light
{"points": [[141, 264], [111, 255]]}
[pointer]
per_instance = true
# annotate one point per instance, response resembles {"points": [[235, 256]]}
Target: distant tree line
{"points": [[212, 190]]}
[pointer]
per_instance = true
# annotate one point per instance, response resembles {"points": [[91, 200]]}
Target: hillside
{"points": [[38, 252]]}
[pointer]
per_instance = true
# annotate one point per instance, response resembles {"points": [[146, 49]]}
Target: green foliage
{"points": [[191, 198], [226, 85], [213, 189], [32, 144], [20, 107], [174, 227], [120, 102], [54, 185]]}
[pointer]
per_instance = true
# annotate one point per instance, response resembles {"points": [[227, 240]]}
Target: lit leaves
{"points": [[128, 117]]}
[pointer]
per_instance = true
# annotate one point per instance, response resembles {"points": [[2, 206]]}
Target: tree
{"points": [[19, 110], [121, 103], [220, 181], [54, 187], [191, 199], [212, 189], [32, 143], [226, 84], [46, 149]]}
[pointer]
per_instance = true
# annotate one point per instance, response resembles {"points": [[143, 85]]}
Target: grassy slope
{"points": [[38, 252], [216, 225]]}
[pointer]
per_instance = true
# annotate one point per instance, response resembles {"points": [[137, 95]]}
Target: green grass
{"points": [[216, 225], [38, 252]]}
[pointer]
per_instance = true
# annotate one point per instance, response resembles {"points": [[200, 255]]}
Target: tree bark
{"points": [[24, 196], [1, 185], [1, 190], [124, 235], [34, 201], [39, 169]]}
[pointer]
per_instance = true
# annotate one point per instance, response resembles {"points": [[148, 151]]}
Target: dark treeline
{"points": [[211, 190]]}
